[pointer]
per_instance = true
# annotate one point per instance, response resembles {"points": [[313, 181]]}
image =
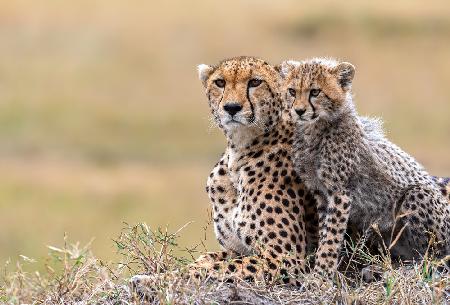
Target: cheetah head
{"points": [[243, 95], [317, 88]]}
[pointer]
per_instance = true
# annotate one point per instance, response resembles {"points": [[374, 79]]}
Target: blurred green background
{"points": [[103, 120]]}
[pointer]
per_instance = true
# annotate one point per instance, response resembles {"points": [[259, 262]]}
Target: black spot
{"points": [[291, 193], [288, 247], [258, 154], [251, 268], [249, 278], [248, 240], [287, 180]]}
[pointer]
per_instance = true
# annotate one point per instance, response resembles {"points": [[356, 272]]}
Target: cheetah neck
{"points": [[240, 151], [241, 137]]}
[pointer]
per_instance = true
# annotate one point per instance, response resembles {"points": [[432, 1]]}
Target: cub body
{"points": [[357, 175]]}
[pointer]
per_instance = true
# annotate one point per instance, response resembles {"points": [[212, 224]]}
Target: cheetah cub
{"points": [[358, 177]]}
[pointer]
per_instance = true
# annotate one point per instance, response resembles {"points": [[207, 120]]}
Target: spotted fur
{"points": [[358, 177], [258, 199]]}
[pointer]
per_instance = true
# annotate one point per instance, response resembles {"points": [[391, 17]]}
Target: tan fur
{"points": [[258, 200]]}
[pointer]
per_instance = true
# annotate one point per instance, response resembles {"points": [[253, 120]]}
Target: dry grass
{"points": [[74, 276]]}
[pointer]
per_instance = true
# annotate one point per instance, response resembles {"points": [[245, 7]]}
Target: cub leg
{"points": [[333, 217]]}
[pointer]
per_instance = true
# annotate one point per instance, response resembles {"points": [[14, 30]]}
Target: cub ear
{"points": [[286, 66], [345, 72], [204, 71]]}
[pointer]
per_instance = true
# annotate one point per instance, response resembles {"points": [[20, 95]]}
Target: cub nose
{"points": [[300, 112], [232, 108]]}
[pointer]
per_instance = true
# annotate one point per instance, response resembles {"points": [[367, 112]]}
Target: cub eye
{"points": [[314, 92], [219, 83], [291, 92], [254, 82]]}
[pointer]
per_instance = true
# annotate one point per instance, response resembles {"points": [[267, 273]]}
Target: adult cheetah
{"points": [[358, 177], [258, 199]]}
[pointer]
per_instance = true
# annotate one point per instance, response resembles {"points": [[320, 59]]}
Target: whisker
{"points": [[211, 123]]}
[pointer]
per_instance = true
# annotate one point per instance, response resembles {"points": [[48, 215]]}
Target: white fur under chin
{"points": [[241, 135]]}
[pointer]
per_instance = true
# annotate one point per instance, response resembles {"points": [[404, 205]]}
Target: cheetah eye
{"points": [[219, 83], [314, 92], [292, 92], [254, 82]]}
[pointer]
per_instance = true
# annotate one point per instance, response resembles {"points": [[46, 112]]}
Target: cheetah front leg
{"points": [[333, 217], [223, 198]]}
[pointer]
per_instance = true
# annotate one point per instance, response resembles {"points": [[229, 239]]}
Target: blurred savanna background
{"points": [[103, 120]]}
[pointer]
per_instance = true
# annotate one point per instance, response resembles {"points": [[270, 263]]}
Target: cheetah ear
{"points": [[204, 71], [286, 66], [345, 72]]}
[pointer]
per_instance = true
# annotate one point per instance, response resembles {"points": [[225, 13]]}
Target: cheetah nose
{"points": [[232, 108], [300, 112]]}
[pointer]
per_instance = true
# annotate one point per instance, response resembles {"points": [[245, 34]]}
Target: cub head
{"points": [[242, 94], [317, 88]]}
